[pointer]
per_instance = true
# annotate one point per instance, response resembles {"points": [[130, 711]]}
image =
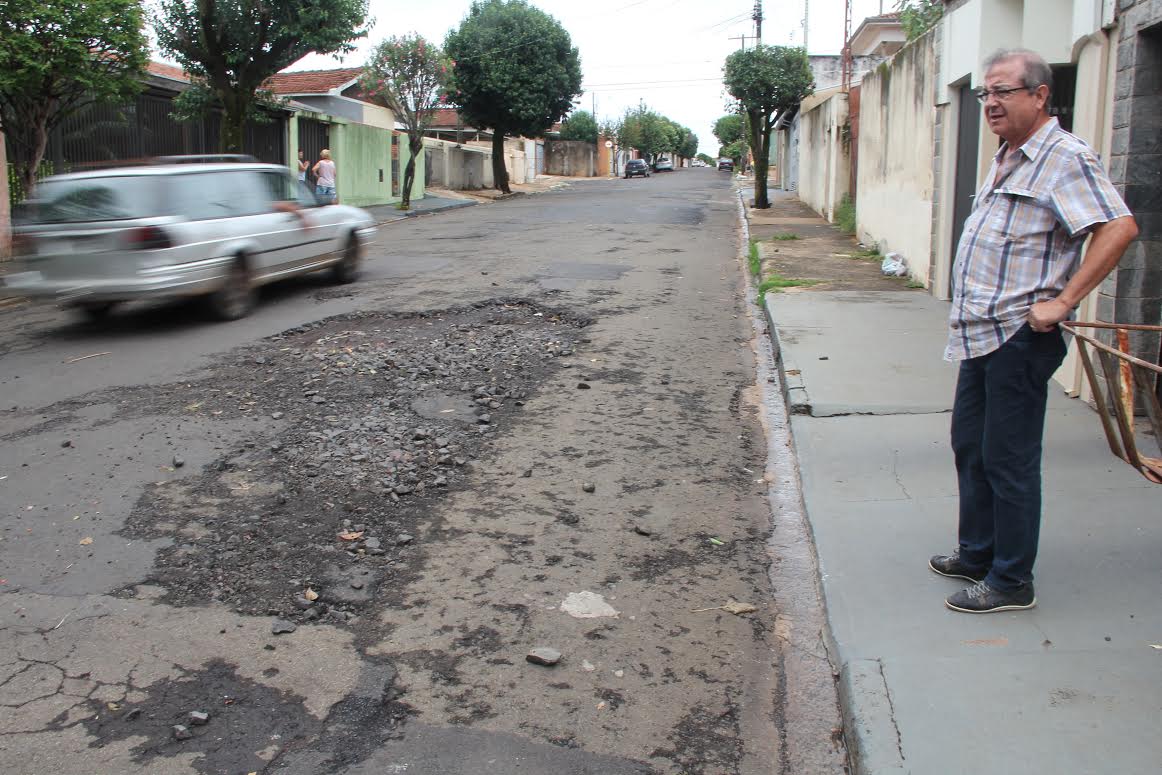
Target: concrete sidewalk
{"points": [[426, 206], [1073, 686]]}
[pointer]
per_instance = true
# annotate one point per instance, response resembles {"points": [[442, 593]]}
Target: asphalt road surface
{"points": [[338, 527]]}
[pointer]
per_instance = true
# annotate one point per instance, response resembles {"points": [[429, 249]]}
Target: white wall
{"points": [[1047, 28], [824, 158], [896, 135]]}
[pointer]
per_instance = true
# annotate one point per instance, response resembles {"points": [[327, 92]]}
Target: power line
{"points": [[645, 83]]}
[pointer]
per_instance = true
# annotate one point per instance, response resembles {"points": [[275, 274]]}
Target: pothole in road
{"points": [[246, 723], [373, 418]]}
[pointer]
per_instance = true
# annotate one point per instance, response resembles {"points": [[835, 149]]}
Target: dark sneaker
{"points": [[980, 598], [951, 566]]}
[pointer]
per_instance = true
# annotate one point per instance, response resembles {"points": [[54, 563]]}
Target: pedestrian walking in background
{"points": [[1018, 273], [324, 170]]}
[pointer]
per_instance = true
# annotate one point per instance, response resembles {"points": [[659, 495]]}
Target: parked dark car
{"points": [[637, 167], [726, 164]]}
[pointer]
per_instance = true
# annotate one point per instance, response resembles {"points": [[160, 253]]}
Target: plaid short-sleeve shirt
{"points": [[1022, 243]]}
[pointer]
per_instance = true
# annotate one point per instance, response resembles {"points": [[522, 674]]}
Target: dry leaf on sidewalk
{"points": [[347, 535], [86, 541]]}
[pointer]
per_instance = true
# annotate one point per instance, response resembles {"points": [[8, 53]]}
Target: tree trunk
{"points": [[760, 147], [499, 171], [233, 126], [415, 147], [409, 177], [29, 157]]}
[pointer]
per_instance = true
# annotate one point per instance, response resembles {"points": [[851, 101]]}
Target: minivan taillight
{"points": [[149, 238], [23, 245]]}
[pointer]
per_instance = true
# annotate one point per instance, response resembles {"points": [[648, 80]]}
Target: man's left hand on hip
{"points": [[1045, 315]]}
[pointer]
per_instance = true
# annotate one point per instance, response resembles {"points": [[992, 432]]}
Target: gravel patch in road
{"points": [[372, 418]]}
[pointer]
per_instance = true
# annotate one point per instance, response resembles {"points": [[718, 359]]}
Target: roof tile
{"points": [[312, 81]]}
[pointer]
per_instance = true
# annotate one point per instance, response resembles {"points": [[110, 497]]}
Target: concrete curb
{"points": [[403, 215], [794, 388], [442, 208], [869, 726], [870, 733]]}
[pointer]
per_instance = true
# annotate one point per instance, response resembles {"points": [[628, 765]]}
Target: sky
{"points": [[667, 54]]}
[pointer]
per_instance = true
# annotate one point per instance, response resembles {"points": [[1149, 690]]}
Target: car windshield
{"points": [[79, 200]]}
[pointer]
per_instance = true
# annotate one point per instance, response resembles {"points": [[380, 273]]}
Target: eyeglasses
{"points": [[1001, 94]]}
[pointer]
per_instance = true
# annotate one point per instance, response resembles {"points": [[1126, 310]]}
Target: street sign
{"points": [[608, 143]]}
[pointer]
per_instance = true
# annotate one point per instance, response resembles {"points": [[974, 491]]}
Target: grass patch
{"points": [[914, 284], [786, 236], [752, 259], [873, 253], [845, 215], [777, 283]]}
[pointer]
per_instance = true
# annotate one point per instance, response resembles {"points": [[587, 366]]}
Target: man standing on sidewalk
{"points": [[1018, 273]]}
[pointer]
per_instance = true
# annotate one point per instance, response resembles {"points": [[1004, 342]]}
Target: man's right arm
{"points": [[1109, 242]]}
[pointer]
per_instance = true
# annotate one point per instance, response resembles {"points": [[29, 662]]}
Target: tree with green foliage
{"points": [[580, 126], [230, 48], [515, 71], [730, 128], [654, 135], [731, 133], [705, 158], [58, 57], [918, 16], [409, 74], [766, 80], [688, 147]]}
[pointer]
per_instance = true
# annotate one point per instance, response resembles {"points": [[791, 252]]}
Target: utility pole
{"points": [[806, 18], [758, 22], [846, 87], [743, 39]]}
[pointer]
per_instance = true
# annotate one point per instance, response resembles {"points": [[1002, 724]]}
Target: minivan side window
{"points": [[278, 186], [226, 194]]}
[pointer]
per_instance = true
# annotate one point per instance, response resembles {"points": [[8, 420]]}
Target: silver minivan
{"points": [[179, 227]]}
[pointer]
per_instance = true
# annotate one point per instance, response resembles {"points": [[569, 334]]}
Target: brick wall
{"points": [[1133, 293]]}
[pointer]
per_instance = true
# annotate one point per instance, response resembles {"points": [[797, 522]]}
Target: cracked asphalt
{"points": [[544, 396]]}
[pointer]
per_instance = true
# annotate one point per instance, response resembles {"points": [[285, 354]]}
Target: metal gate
{"points": [[143, 128], [967, 142], [314, 136]]}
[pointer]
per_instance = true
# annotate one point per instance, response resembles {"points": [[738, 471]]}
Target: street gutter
{"points": [[807, 705], [869, 730]]}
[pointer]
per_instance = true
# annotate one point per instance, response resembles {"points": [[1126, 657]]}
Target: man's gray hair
{"points": [[1037, 70]]}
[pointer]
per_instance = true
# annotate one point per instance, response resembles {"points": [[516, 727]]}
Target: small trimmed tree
{"points": [[515, 71], [766, 80], [409, 74], [58, 57], [231, 47], [580, 126]]}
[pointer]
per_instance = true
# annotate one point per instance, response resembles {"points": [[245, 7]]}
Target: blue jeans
{"points": [[998, 421], [325, 193]]}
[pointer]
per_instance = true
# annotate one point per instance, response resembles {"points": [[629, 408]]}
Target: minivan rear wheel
{"points": [[347, 269], [235, 299], [96, 311]]}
